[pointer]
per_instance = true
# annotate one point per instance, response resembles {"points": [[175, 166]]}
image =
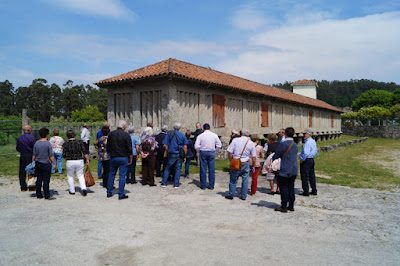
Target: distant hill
{"points": [[343, 93]]}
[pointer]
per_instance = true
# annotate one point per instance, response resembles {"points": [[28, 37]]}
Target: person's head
{"points": [[27, 129], [164, 128], [44, 132], [206, 126], [307, 133], [289, 132], [177, 126], [106, 124], [86, 125], [271, 138], [198, 125], [148, 131], [71, 134], [105, 130], [150, 124], [188, 134], [254, 138], [122, 124], [56, 132], [234, 133], [131, 129], [245, 132], [281, 132]]}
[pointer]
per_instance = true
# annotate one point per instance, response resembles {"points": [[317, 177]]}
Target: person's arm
{"points": [[305, 151], [53, 161], [87, 159], [185, 150], [230, 156], [137, 149], [279, 151], [197, 144], [218, 144]]}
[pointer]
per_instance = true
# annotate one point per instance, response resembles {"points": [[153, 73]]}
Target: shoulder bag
{"points": [[236, 164], [88, 177]]}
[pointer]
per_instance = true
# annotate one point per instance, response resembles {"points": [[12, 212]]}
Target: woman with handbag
{"points": [[104, 157], [73, 151], [256, 165]]}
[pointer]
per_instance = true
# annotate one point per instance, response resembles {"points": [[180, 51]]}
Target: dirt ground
{"points": [[189, 226]]}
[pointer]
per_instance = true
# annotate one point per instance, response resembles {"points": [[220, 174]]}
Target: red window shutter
{"points": [[332, 122], [264, 114], [310, 118], [218, 110]]}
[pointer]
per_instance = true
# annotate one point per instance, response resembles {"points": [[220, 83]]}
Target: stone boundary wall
{"points": [[342, 144], [387, 132]]}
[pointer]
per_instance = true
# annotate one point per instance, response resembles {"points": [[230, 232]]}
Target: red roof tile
{"points": [[304, 82], [203, 74]]}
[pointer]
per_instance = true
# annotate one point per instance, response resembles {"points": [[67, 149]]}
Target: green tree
{"points": [[97, 97], [72, 98], [373, 97], [7, 99], [396, 96], [374, 112], [395, 110], [88, 114]]}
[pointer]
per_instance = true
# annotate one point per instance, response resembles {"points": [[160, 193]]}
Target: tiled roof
{"points": [[203, 74], [304, 82]]}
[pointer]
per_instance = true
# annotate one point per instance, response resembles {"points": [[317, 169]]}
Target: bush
{"points": [[374, 112], [395, 110], [88, 114]]}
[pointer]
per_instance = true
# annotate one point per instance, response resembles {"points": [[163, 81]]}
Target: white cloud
{"points": [[108, 8], [248, 18], [364, 47]]}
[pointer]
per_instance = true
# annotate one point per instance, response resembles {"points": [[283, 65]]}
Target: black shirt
{"points": [[74, 150], [272, 148], [119, 143]]}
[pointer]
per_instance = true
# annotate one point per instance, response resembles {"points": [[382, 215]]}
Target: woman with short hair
{"points": [[73, 151], [43, 156], [148, 152], [57, 142], [104, 157]]}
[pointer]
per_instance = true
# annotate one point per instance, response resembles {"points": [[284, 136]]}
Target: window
{"points": [[218, 110], [310, 118], [264, 114]]}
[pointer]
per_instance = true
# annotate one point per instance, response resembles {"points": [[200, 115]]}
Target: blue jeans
{"points": [[122, 164], [234, 176], [59, 162], [187, 164], [99, 168], [173, 159], [131, 171], [207, 159]]}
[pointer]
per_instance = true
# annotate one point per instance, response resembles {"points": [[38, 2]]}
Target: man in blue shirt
{"points": [[308, 152], [175, 144]]}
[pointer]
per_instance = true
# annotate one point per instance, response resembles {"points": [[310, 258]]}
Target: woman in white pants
{"points": [[73, 152]]}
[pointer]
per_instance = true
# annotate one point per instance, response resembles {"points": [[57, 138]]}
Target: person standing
{"points": [[143, 136], [307, 172], [190, 153], [74, 151], [256, 165], [195, 134], [57, 143], [287, 151], [148, 149], [43, 156], [160, 158], [25, 144], [176, 146], [135, 150], [99, 162], [85, 136], [119, 146], [101, 145], [272, 146], [241, 148], [281, 135], [207, 144]]}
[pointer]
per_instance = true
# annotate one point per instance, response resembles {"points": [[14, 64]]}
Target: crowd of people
{"points": [[164, 154]]}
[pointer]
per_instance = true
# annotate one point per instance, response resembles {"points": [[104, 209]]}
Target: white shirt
{"points": [[85, 135], [237, 146], [207, 141], [266, 146]]}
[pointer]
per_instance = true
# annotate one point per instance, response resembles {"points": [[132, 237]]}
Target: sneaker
{"points": [[176, 187], [109, 195], [163, 186], [229, 197], [71, 193], [84, 192], [123, 197], [280, 209]]}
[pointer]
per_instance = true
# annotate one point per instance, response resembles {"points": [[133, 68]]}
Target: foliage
{"points": [[350, 115], [88, 114], [373, 97], [55, 119], [396, 96], [395, 110], [374, 112], [7, 105]]}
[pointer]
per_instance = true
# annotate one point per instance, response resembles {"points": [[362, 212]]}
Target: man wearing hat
{"points": [[308, 152], [207, 143]]}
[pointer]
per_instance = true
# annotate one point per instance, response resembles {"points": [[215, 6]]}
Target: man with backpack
{"points": [[175, 144]]}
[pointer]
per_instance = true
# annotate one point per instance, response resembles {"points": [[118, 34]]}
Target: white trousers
{"points": [[75, 166]]}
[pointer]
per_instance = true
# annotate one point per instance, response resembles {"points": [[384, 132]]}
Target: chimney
{"points": [[306, 88]]}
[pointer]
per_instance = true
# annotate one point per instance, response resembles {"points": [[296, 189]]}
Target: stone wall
{"points": [[388, 132], [341, 144]]}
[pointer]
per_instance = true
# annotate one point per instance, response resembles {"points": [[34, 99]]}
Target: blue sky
{"points": [[265, 41]]}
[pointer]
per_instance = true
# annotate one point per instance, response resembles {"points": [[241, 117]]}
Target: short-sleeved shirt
{"points": [[43, 151], [175, 140], [135, 141], [236, 148], [56, 143]]}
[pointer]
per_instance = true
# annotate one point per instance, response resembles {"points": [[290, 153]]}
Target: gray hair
{"points": [[165, 128], [121, 123], [131, 129], [245, 132], [177, 125], [148, 131]]}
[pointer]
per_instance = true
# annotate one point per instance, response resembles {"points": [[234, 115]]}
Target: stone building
{"points": [[173, 90]]}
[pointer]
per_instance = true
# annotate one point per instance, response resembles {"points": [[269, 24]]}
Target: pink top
{"points": [[259, 154]]}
